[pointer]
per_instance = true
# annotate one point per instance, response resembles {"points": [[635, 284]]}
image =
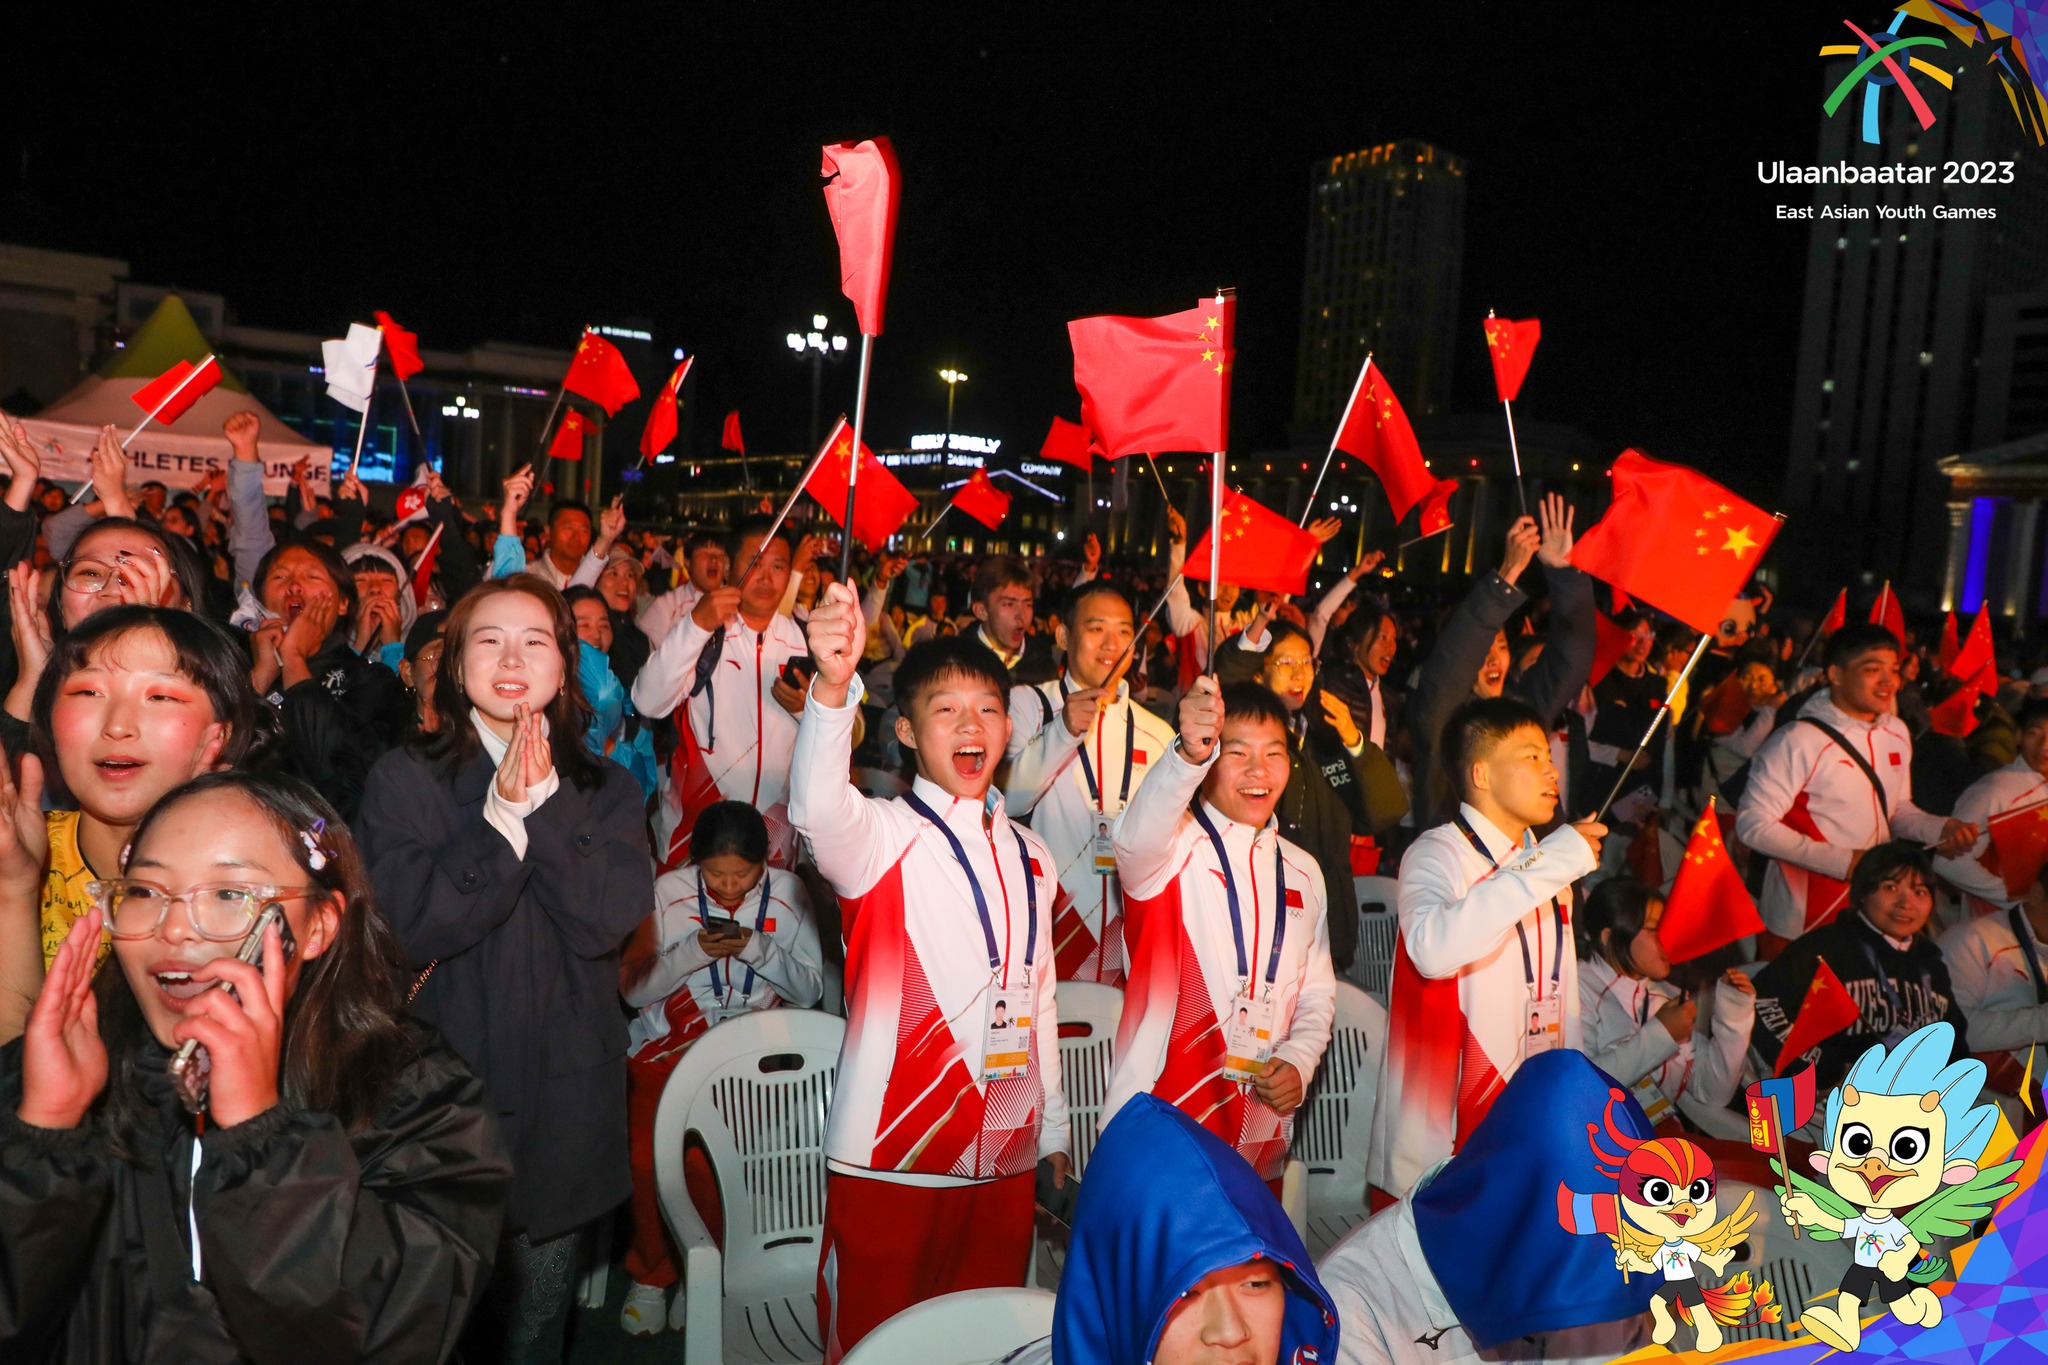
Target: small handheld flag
{"points": [[165, 399], [1827, 1010], [1709, 907], [599, 372], [568, 441], [1777, 1106]]}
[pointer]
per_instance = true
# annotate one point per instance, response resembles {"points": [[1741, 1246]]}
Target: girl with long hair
{"points": [[330, 1190]]}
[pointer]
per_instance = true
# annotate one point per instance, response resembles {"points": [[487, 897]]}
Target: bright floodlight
{"points": [[815, 340], [796, 343], [838, 343], [818, 321]]}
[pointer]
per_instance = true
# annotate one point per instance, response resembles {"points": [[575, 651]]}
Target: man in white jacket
{"points": [[1485, 975], [948, 1092], [1231, 996], [1080, 746], [721, 665], [1834, 783], [2022, 782]]}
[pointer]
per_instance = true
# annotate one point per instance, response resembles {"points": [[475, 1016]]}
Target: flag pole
{"points": [[1417, 540], [788, 505], [1656, 720], [860, 415], [1514, 450], [1784, 1162], [1309, 511], [363, 428], [1139, 633], [1164, 496], [148, 417], [926, 534], [410, 415], [1215, 549], [542, 450], [428, 549]]}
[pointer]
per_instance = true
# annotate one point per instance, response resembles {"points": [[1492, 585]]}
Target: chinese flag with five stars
{"points": [[862, 193], [1838, 614], [402, 346], [1708, 907], [1067, 442], [1261, 549], [197, 381], [1658, 510], [1376, 431], [2019, 846], [1826, 1011], [1956, 714], [661, 419], [1153, 384], [599, 373], [1886, 612], [567, 443], [1975, 655], [1436, 508], [883, 505], [730, 438], [1511, 345], [982, 500]]}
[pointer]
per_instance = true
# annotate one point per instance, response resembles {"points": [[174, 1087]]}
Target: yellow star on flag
{"points": [[1212, 322], [1740, 542]]}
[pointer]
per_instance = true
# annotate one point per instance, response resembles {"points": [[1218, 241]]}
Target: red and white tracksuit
{"points": [[1995, 793], [1459, 1006], [736, 738], [1184, 978], [1067, 784], [1810, 810], [684, 995], [910, 1107]]}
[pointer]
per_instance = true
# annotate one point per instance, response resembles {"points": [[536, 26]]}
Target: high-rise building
{"points": [[1386, 239], [1908, 324]]}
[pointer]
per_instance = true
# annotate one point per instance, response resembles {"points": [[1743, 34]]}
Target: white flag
{"points": [[352, 366]]}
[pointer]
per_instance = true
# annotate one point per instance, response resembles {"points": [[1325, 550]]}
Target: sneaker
{"points": [[645, 1312], [676, 1309]]}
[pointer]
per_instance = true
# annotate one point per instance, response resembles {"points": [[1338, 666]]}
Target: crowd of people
{"points": [[363, 880]]}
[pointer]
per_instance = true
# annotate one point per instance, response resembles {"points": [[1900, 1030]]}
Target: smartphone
{"points": [[190, 1066], [723, 928], [799, 672]]}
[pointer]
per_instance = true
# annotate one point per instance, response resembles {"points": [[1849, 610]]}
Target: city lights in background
{"points": [[461, 408]]}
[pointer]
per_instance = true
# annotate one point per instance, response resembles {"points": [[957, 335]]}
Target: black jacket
{"points": [[1448, 673], [317, 1245], [340, 721], [527, 983], [1331, 796], [1896, 992]]}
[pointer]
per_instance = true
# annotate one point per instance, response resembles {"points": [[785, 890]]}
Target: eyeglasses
{"points": [[220, 911], [1291, 666], [93, 575]]}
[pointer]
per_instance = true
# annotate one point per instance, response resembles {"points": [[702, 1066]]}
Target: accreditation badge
{"points": [[1104, 847], [1543, 1029], [1006, 1033], [1247, 1038]]}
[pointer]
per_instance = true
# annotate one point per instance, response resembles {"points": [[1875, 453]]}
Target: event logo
{"points": [[2010, 36]]}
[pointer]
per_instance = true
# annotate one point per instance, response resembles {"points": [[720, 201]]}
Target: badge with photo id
{"points": [[1104, 847], [1543, 1026], [1247, 1038], [1006, 1035]]}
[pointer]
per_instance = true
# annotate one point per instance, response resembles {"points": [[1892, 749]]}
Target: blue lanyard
{"points": [[760, 920], [1123, 796], [1556, 905], [2024, 932], [988, 928], [1230, 891]]}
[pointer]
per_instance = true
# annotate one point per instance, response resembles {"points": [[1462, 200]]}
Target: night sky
{"points": [[516, 176]]}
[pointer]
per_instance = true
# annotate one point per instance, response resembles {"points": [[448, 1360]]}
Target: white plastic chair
{"points": [[754, 1092], [1086, 1060], [973, 1327], [1334, 1128], [1797, 1267], [1372, 970]]}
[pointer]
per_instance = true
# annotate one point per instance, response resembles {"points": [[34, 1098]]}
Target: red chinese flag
{"points": [[423, 567], [884, 503], [402, 346], [177, 389], [1726, 707], [1376, 431], [1658, 510], [982, 500], [599, 373], [1956, 714], [1975, 655], [1708, 907], [1886, 612], [2019, 838], [1946, 654], [568, 439], [730, 439], [1152, 384], [861, 193], [1436, 508], [662, 419], [1067, 442], [1511, 345], [1261, 549], [1838, 614], [1610, 642], [1827, 1010]]}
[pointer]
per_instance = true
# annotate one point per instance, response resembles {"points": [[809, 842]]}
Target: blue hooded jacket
{"points": [[1487, 1220], [1165, 1203]]}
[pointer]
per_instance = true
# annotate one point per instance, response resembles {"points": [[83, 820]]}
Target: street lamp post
{"points": [[817, 348], [954, 379]]}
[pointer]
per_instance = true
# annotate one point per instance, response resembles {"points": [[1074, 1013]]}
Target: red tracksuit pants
{"points": [[649, 1258]]}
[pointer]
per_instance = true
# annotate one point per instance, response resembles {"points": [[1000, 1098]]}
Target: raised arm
{"points": [[1147, 835], [250, 537], [850, 836]]}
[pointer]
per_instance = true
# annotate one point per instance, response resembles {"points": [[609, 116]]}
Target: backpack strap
{"points": [[1883, 803]]}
